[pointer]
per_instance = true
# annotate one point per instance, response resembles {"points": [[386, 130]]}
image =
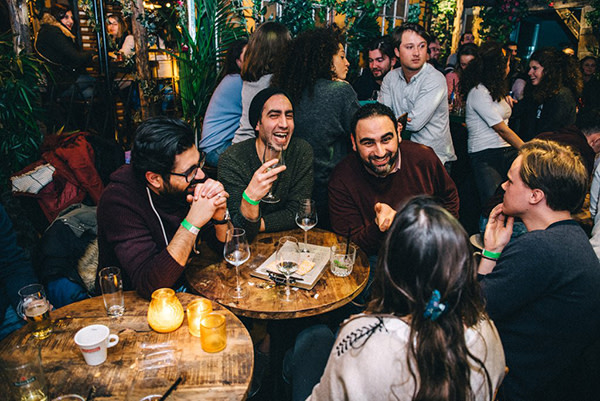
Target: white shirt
{"points": [[369, 361], [483, 113], [425, 99]]}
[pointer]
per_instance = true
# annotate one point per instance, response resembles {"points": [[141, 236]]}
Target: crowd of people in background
{"points": [[377, 156]]}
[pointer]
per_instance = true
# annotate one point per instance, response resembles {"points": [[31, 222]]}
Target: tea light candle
{"points": [[196, 310], [165, 313]]}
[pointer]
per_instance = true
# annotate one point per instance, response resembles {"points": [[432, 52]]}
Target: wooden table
{"points": [[221, 376], [212, 277]]}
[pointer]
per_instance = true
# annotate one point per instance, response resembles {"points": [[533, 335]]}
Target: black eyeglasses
{"points": [[191, 173]]}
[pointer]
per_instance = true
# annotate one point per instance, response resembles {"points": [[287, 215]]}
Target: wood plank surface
{"points": [[224, 375], [212, 277]]}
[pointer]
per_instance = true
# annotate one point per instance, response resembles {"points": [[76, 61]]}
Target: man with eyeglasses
{"points": [[151, 214], [249, 172]]}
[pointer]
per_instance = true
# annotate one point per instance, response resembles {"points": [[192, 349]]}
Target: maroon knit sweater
{"points": [[130, 234], [353, 192]]}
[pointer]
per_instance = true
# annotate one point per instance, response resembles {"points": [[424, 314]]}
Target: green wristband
{"points": [[490, 255], [190, 227], [250, 201]]}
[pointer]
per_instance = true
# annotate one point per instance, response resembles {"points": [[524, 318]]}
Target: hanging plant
{"points": [[498, 22], [441, 23]]}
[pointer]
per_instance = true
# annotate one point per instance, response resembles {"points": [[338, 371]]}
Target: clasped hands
{"points": [[209, 200]]}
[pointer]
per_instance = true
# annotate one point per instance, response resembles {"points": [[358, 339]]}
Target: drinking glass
{"points": [[34, 306], [306, 218], [236, 251], [288, 261], [111, 285], [270, 153]]}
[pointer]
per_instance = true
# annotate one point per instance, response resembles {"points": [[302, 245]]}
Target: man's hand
{"points": [[498, 230], [208, 201], [384, 216], [263, 179]]}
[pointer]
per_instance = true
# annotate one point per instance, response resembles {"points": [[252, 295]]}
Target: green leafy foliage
{"points": [[218, 24], [20, 134], [442, 22], [498, 22]]}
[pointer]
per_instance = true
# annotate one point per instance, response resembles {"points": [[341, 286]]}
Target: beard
{"points": [[176, 196], [384, 170]]}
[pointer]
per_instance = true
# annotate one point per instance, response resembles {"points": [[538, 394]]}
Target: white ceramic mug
{"points": [[93, 341]]}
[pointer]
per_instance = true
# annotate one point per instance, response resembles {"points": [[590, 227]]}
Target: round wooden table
{"points": [[212, 277], [224, 375]]}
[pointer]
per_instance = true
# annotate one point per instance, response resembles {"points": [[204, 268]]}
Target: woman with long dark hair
{"points": [[56, 44], [266, 49], [492, 145], [314, 76], [425, 335], [550, 95]]}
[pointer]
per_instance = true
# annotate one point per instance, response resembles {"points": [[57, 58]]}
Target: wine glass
{"points": [[288, 260], [236, 251], [306, 218], [270, 153]]}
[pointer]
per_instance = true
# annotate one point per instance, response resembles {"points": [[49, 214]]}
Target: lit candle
{"points": [[195, 312], [165, 313]]}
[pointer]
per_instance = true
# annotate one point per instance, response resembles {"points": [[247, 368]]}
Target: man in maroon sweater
{"points": [[151, 213], [368, 186]]}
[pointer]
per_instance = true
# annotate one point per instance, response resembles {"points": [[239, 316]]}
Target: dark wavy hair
{"points": [[427, 249], [487, 69], [59, 11], [384, 44], [266, 47], [310, 58], [560, 70], [157, 141]]}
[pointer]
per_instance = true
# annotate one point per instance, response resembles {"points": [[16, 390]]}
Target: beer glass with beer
{"points": [[36, 309]]}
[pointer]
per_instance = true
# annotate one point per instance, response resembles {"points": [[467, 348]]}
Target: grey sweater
{"points": [[236, 168], [323, 120]]}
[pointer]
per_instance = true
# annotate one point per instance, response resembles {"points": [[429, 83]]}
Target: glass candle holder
{"points": [[196, 310], [213, 332], [165, 313]]}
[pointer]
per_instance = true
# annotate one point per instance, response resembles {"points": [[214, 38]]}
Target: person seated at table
{"points": [[247, 177], [367, 187], [425, 334], [15, 273], [151, 213], [57, 45], [541, 289], [120, 39], [224, 111]]}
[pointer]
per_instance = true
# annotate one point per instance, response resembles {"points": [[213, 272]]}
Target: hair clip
{"points": [[434, 307]]}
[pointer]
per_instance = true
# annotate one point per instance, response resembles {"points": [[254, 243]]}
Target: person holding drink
{"points": [[15, 273], [269, 175]]}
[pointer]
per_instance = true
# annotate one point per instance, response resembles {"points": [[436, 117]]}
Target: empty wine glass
{"points": [[271, 152], [236, 251], [288, 261], [306, 218]]}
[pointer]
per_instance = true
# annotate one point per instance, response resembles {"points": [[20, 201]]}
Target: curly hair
{"points": [[267, 45], [309, 59], [560, 70], [487, 69]]}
